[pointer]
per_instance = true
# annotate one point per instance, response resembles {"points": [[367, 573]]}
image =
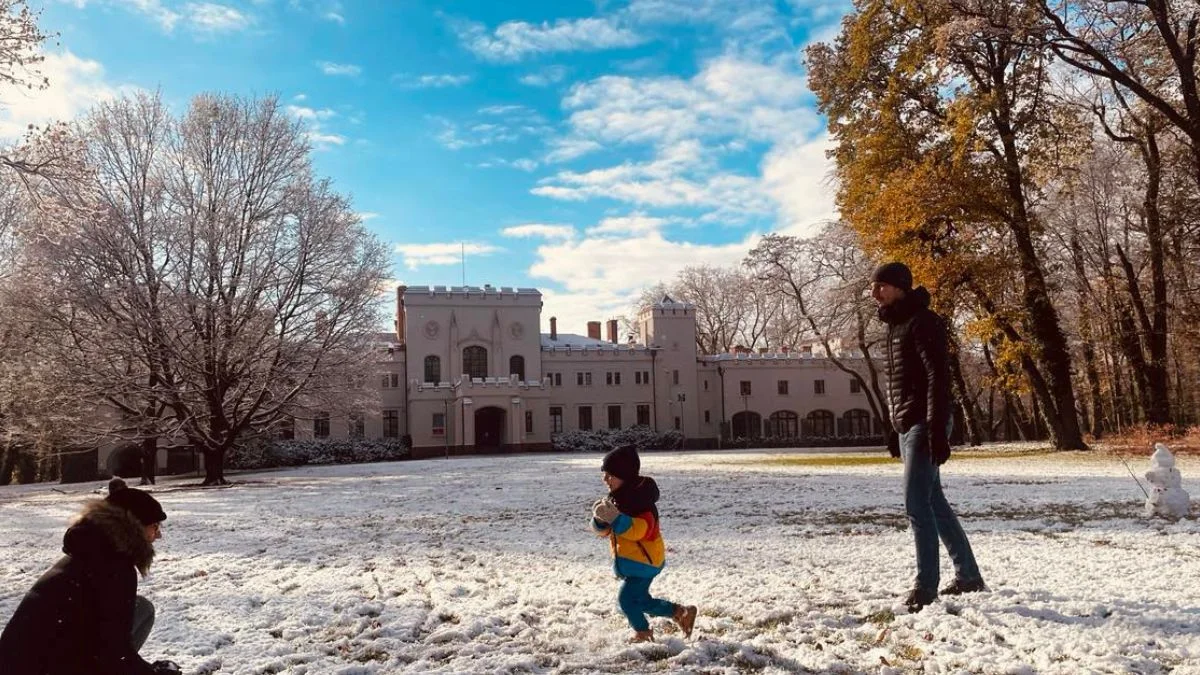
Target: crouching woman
{"points": [[84, 616]]}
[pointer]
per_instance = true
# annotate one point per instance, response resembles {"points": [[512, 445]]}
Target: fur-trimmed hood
{"points": [[104, 530]]}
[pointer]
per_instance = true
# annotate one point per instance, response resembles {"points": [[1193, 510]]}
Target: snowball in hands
{"points": [[605, 511], [1167, 498]]}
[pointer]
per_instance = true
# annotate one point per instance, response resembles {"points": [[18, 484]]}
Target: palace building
{"points": [[470, 370], [467, 369]]}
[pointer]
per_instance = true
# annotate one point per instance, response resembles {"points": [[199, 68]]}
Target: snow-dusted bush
{"points": [[603, 440], [275, 453]]}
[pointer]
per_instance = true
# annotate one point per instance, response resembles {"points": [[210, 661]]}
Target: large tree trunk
{"points": [[8, 462], [1058, 401], [149, 453], [214, 467]]}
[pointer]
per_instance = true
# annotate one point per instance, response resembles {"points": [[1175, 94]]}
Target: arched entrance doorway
{"points": [[489, 427], [747, 424]]}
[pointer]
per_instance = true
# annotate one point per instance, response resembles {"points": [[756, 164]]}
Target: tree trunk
{"points": [[149, 453], [1150, 365], [1131, 348], [1058, 403], [214, 467], [8, 462], [970, 411]]}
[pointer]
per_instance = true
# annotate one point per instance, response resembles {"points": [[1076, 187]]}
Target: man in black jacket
{"points": [[919, 403], [83, 616]]}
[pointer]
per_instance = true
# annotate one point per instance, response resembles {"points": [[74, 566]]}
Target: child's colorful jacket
{"points": [[635, 537]]}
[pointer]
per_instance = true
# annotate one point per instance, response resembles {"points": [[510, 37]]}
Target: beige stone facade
{"points": [[478, 373], [469, 369]]}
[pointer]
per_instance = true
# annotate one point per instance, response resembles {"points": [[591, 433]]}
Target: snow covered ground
{"points": [[485, 565]]}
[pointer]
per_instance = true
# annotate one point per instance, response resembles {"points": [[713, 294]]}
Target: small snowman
{"points": [[1167, 499]]}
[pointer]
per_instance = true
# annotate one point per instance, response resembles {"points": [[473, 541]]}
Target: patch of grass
{"points": [[883, 458], [881, 618], [908, 652]]}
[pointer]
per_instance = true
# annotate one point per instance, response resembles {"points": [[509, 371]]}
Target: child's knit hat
{"points": [[622, 462]]}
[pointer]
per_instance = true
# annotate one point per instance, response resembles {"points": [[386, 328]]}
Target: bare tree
{"points": [[823, 279], [206, 281]]}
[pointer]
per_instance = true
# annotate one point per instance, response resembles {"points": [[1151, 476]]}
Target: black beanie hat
{"points": [[143, 507], [622, 462], [894, 273]]}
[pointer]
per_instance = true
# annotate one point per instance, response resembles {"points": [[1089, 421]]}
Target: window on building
{"points": [[612, 378], [529, 421], [433, 369], [643, 415], [439, 424], [391, 380], [675, 377], [819, 423], [678, 423], [855, 387], [783, 387], [583, 379], [858, 422], [475, 361], [745, 387], [783, 424], [707, 417], [287, 428], [706, 385], [645, 377], [358, 427], [516, 366], [556, 419], [585, 418], [558, 379], [614, 417], [391, 424], [321, 425], [818, 386]]}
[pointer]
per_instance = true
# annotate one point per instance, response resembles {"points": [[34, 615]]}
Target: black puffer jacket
{"points": [[78, 618], [918, 366]]}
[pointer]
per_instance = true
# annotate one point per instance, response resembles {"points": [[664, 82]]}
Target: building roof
{"points": [[573, 341]]}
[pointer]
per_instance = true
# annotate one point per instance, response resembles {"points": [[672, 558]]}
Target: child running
{"points": [[629, 518]]}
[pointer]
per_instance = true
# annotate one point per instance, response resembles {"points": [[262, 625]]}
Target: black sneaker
{"points": [[959, 587], [918, 598]]}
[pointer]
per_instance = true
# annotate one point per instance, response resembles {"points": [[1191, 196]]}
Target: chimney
{"points": [[554, 328], [400, 313], [594, 330], [612, 331]]}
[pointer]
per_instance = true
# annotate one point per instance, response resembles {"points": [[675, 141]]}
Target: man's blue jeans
{"points": [[930, 515]]}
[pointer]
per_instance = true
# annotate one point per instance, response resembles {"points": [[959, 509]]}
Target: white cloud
{"points": [[75, 86], [500, 124], [213, 18], [305, 113], [601, 276], [545, 77], [514, 40], [324, 141], [523, 164], [154, 9], [681, 177], [335, 17], [448, 253], [541, 230], [633, 224], [364, 216], [339, 69], [434, 81], [313, 119], [300, 98], [799, 178]]}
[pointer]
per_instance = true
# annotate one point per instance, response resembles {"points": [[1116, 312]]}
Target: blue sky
{"points": [[585, 147]]}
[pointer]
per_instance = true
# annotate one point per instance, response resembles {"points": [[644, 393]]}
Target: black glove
{"points": [[893, 443], [165, 667], [939, 448]]}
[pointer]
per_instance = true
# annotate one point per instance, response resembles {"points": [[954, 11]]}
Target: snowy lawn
{"points": [[798, 562]]}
